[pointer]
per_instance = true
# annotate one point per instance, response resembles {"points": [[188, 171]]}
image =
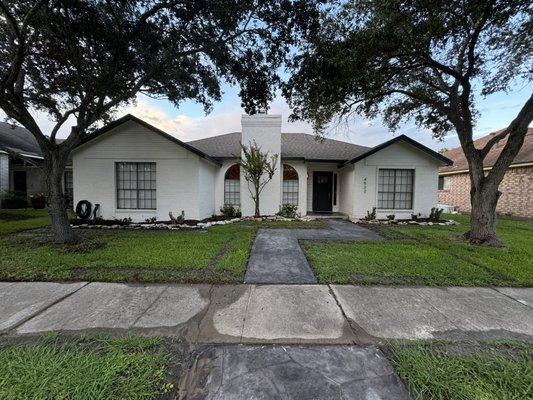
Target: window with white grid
{"points": [[290, 186], [136, 185], [395, 189], [232, 186]]}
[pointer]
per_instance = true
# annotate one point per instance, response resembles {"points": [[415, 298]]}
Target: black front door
{"points": [[19, 181], [322, 189]]}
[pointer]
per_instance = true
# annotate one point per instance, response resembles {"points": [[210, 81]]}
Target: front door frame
{"points": [[322, 193]]}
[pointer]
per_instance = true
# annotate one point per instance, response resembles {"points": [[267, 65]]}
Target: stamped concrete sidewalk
{"points": [[277, 258], [333, 314]]}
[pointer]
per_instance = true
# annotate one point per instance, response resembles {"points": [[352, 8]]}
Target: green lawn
{"points": [[216, 255], [84, 368], [22, 219], [442, 372], [428, 255]]}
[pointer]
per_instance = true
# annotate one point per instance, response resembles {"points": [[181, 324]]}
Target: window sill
{"points": [[140, 210], [395, 210]]}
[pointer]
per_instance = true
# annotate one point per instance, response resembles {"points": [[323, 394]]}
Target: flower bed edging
{"points": [[200, 225]]}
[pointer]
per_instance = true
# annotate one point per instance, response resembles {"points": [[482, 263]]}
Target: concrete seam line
{"points": [[149, 306], [39, 312], [510, 297], [252, 287], [204, 313]]}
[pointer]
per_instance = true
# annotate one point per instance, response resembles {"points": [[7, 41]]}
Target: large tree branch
{"points": [[517, 131]]}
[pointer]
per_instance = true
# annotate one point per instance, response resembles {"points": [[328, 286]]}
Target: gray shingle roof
{"points": [[19, 140], [293, 145]]}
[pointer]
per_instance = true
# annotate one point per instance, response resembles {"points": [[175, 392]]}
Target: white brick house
{"points": [[132, 169]]}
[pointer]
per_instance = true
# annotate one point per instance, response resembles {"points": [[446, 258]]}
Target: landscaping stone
{"points": [[21, 300], [243, 372]]}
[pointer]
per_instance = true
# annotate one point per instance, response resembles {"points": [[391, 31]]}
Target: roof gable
{"points": [[405, 139], [109, 127]]}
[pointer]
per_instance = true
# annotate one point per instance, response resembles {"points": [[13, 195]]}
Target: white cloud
{"points": [[226, 118]]}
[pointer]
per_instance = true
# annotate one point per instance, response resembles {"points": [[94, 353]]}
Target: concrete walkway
{"points": [[260, 341], [277, 258], [244, 372], [327, 314]]}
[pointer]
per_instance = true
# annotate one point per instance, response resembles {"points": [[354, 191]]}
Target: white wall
{"points": [[4, 172], [398, 155], [206, 188], [346, 190], [265, 130], [177, 173]]}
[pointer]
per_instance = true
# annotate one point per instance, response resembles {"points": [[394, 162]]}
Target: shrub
{"points": [[14, 200], [435, 214], [391, 217], [371, 215], [230, 211], [38, 201], [150, 220], [288, 211]]}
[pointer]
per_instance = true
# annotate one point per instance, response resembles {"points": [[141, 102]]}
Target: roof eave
{"points": [[130, 117], [406, 139]]}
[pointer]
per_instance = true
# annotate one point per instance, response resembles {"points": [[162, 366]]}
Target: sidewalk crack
{"points": [[510, 297], [357, 331], [149, 306]]}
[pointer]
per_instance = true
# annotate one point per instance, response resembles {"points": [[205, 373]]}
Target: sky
{"points": [[189, 122]]}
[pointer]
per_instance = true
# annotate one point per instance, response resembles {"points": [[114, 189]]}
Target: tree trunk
{"points": [[483, 199], [257, 213], [54, 169]]}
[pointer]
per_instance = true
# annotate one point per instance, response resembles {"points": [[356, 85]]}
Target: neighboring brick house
{"points": [[516, 187]]}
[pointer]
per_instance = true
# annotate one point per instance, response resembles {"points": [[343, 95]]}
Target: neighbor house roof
{"points": [[293, 146], [403, 138], [524, 156], [18, 140]]}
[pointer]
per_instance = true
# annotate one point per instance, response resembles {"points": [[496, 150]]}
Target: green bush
{"points": [[38, 201], [14, 200], [288, 211], [230, 211]]}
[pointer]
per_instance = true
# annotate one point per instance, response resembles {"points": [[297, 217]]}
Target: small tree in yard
{"points": [[258, 169], [77, 61], [425, 60]]}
